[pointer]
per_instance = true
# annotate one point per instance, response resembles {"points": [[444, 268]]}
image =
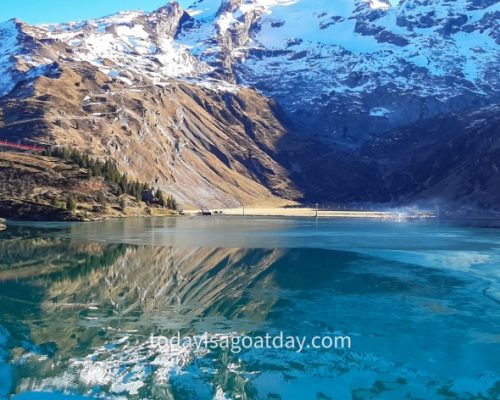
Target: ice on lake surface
{"points": [[80, 302]]}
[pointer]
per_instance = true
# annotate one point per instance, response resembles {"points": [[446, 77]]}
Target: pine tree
{"points": [[66, 154], [70, 204], [160, 197]]}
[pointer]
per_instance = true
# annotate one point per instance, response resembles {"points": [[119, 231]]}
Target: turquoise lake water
{"points": [[79, 303]]}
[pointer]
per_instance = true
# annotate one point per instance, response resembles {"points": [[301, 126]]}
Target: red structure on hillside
{"points": [[24, 147]]}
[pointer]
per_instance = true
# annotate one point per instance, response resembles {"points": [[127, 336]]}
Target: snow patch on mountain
{"points": [[379, 112], [379, 5], [310, 23], [204, 9], [16, 62], [8, 47]]}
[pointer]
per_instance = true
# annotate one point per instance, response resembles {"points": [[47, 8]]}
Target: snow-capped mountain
{"points": [[352, 67], [343, 68], [352, 62], [344, 73]]}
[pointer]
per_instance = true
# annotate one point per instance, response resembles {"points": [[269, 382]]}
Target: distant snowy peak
{"points": [[21, 56], [135, 47], [131, 46]]}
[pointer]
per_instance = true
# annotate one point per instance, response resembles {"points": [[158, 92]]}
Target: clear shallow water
{"points": [[78, 303]]}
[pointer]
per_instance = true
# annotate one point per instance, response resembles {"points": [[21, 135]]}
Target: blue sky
{"points": [[41, 11]]}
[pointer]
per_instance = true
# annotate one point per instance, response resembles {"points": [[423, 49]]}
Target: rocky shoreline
{"points": [[29, 211]]}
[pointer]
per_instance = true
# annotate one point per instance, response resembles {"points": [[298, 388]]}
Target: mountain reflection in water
{"points": [[76, 316]]}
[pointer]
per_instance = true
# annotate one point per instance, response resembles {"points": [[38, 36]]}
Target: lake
{"points": [[125, 309]]}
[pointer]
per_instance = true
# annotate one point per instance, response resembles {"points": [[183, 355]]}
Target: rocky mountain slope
{"points": [[199, 145], [233, 101], [454, 158]]}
